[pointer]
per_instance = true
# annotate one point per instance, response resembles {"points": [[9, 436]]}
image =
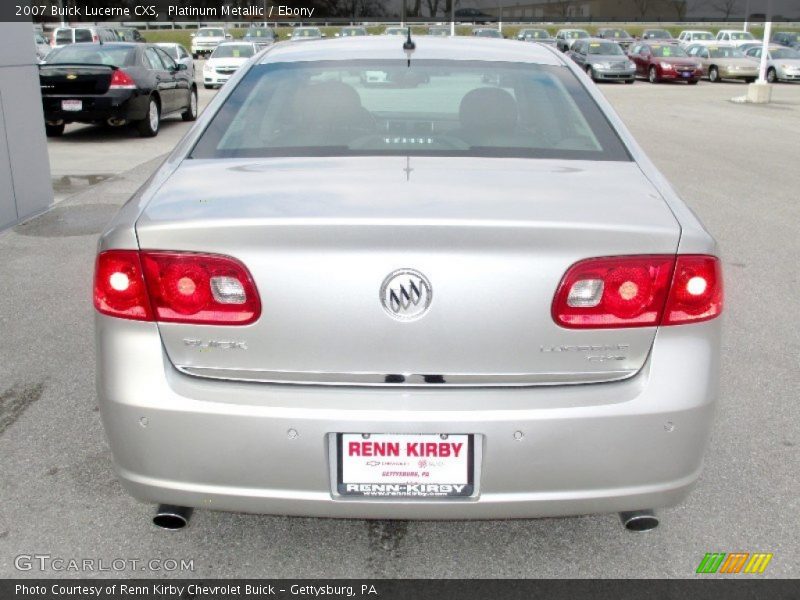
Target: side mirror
{"points": [[181, 67]]}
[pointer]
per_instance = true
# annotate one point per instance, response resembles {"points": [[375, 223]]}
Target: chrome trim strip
{"points": [[406, 379]]}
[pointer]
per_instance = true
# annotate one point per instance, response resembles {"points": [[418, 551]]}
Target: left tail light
{"points": [[176, 287]]}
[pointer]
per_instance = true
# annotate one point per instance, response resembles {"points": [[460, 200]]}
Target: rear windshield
{"points": [[537, 34], [432, 107], [488, 33], [725, 53], [575, 35], [211, 33], [83, 35], [605, 48], [702, 36], [741, 35], [233, 51], [659, 34], [667, 51], [93, 54], [306, 33], [354, 31], [261, 33]]}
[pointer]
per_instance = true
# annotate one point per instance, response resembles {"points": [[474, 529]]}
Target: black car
{"points": [[116, 84]]}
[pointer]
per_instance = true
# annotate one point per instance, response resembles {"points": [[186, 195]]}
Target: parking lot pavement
{"points": [[88, 154], [736, 165]]}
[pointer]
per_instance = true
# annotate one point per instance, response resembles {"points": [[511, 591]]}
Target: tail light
{"points": [[120, 80], [639, 291], [95, 38], [177, 287]]}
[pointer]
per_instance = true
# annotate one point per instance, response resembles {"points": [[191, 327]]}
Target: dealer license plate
{"points": [[405, 466], [686, 74], [72, 105]]}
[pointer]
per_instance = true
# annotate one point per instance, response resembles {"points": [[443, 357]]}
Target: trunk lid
{"points": [[76, 79], [493, 237]]}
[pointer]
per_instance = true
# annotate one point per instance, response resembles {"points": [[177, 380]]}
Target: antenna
{"points": [[408, 46]]}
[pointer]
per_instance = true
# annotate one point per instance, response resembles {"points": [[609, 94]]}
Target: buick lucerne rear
{"points": [[384, 283]]}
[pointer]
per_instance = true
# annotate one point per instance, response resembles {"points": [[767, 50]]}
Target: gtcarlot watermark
{"points": [[48, 562]]}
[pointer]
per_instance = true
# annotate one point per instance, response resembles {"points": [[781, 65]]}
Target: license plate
{"points": [[405, 466], [72, 105], [686, 74]]}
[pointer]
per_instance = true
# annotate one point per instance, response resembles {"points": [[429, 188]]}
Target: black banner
{"points": [[414, 11], [702, 588]]}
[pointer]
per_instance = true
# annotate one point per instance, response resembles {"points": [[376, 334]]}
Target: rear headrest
{"points": [[488, 108]]}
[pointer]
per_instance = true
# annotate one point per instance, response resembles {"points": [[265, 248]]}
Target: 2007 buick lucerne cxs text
{"points": [[383, 283]]}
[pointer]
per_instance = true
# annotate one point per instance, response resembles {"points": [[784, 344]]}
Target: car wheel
{"points": [[590, 72], [630, 81], [772, 76], [750, 80], [54, 130], [652, 75], [190, 114], [148, 127], [195, 55], [208, 87], [713, 75]]}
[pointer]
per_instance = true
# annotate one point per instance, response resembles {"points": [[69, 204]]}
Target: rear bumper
{"points": [[129, 105], [592, 448]]}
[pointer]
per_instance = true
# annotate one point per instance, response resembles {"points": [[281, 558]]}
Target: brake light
{"points": [[120, 80], [696, 293], [178, 287], [633, 291]]}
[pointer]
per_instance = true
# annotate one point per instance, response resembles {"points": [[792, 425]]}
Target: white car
{"points": [[735, 37], [225, 60], [207, 39], [695, 36]]}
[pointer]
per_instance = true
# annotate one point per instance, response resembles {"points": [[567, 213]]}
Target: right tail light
{"points": [[639, 291]]}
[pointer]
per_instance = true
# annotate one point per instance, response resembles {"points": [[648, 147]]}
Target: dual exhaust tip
{"points": [[175, 518]]}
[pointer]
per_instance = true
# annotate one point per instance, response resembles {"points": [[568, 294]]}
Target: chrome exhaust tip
{"points": [[173, 518], [115, 122], [639, 520]]}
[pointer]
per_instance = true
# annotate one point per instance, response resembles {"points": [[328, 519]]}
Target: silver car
{"points": [[179, 54], [441, 299], [603, 60], [783, 64]]}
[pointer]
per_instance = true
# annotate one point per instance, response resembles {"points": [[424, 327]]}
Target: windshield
{"points": [[432, 107], [93, 54], [438, 31], [616, 33], [233, 51], [784, 53], [488, 33], [396, 31], [575, 35], [260, 33], [537, 34], [668, 51], [605, 48], [702, 36], [353, 31], [725, 53], [308, 32], [211, 33], [741, 35], [658, 34]]}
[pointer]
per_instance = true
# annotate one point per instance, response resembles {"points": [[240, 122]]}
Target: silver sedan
{"points": [[466, 293], [783, 64]]}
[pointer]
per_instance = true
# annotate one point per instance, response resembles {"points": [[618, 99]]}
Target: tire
{"points": [[590, 72], [208, 87], [772, 75], [54, 130], [652, 75], [630, 81], [195, 55], [148, 127], [190, 114], [713, 75], [750, 80]]}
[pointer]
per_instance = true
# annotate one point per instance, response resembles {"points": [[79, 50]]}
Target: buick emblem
{"points": [[406, 294]]}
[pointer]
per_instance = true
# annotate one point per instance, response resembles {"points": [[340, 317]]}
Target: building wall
{"points": [[25, 186]]}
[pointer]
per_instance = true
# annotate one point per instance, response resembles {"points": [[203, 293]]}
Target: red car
{"points": [[659, 62]]}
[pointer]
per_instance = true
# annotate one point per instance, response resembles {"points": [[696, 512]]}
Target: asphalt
{"points": [[735, 165]]}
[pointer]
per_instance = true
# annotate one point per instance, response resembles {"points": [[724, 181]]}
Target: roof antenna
{"points": [[409, 46]]}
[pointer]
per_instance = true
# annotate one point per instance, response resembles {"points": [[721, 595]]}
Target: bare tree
{"points": [[433, 7], [725, 6], [680, 7]]}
